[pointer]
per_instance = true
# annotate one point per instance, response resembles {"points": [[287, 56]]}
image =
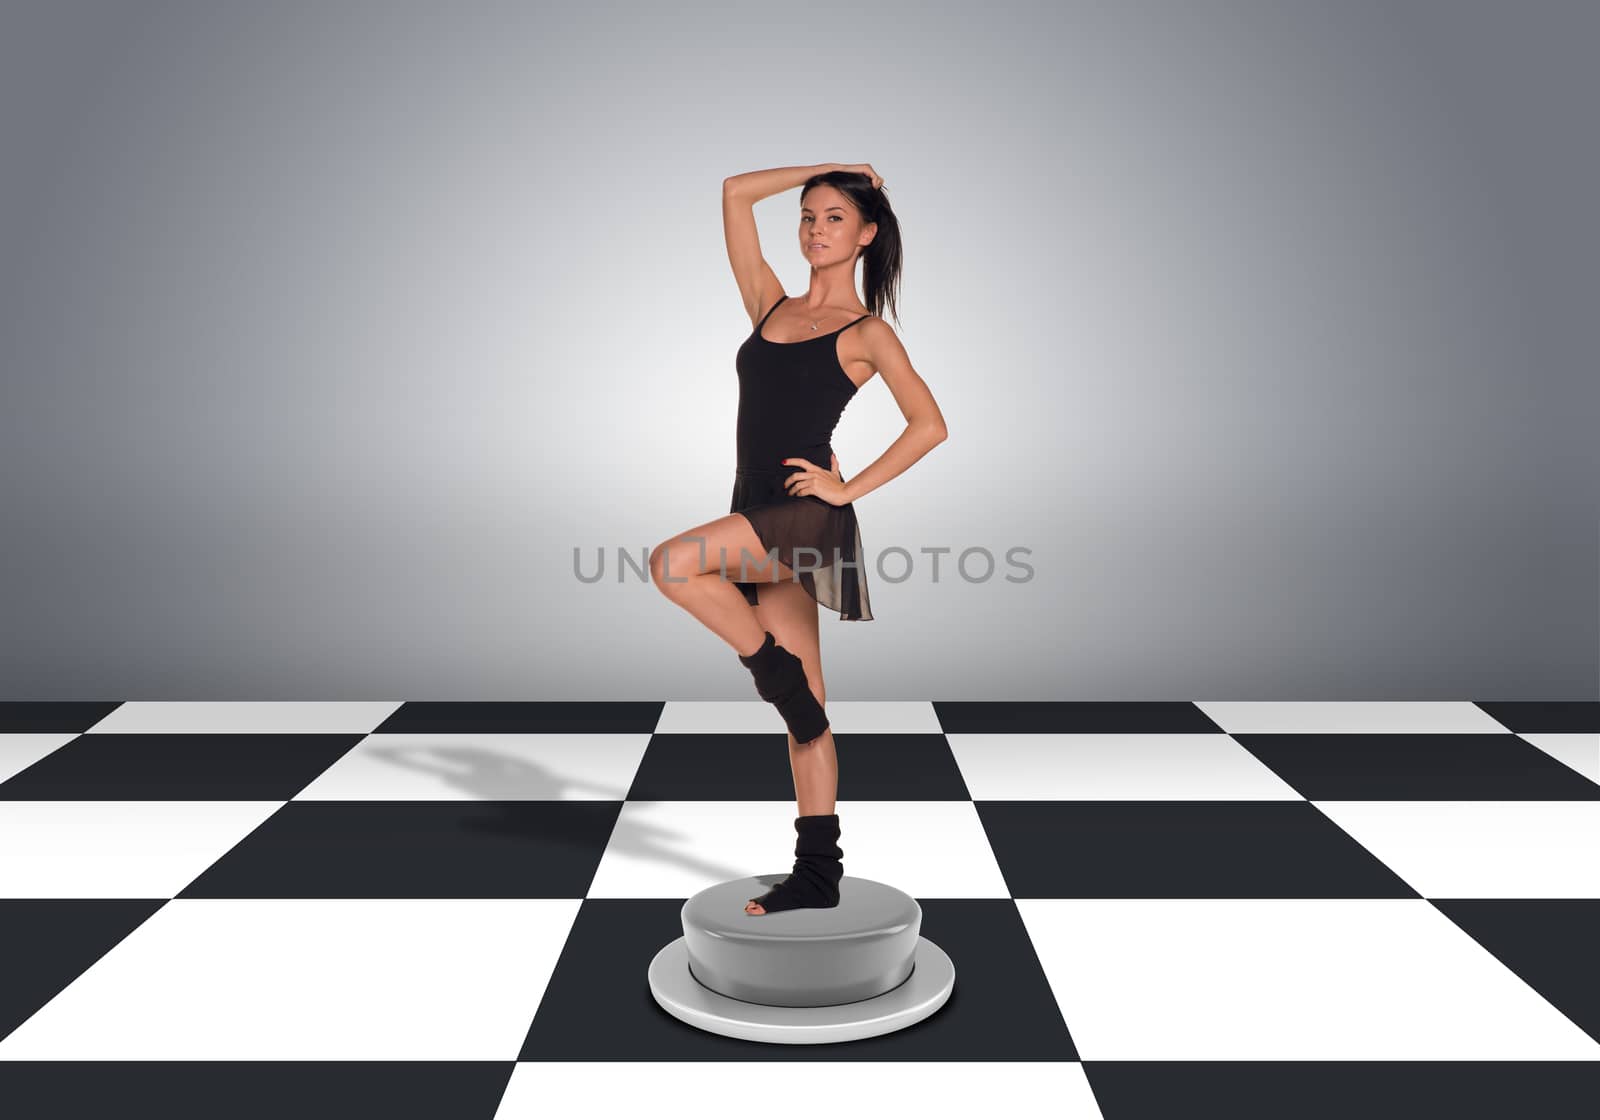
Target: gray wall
{"points": [[330, 331]]}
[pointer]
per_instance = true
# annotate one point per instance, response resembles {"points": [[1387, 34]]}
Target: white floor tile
{"points": [[1287, 979]]}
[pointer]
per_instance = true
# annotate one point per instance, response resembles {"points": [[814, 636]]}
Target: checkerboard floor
{"points": [[448, 909]]}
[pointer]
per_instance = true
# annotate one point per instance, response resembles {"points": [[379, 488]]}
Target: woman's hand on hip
{"points": [[812, 480]]}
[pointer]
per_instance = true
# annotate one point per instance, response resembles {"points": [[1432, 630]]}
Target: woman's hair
{"points": [[881, 258]]}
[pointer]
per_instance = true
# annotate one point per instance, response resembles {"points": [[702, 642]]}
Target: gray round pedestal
{"points": [[856, 970]]}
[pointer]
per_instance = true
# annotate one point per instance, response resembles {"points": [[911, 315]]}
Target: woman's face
{"points": [[831, 229]]}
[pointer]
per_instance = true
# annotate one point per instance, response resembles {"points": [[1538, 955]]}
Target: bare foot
{"points": [[759, 909]]}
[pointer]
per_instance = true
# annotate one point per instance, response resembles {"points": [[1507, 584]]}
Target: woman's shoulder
{"points": [[876, 327], [877, 342]]}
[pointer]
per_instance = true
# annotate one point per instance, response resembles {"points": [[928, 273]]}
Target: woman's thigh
{"points": [[720, 545]]}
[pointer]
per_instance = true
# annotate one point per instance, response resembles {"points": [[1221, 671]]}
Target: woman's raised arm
{"points": [[758, 284]]}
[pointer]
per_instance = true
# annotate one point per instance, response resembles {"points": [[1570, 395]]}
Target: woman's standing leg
{"points": [[790, 613], [688, 570]]}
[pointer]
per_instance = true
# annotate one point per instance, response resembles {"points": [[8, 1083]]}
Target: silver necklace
{"points": [[815, 321]]}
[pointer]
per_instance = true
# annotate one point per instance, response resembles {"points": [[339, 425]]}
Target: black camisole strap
{"points": [[781, 298], [770, 310]]}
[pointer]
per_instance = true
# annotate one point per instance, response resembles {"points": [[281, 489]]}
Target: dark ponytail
{"points": [[880, 275]]}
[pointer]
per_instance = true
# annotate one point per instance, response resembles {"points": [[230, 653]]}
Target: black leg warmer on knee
{"points": [[817, 868], [781, 681]]}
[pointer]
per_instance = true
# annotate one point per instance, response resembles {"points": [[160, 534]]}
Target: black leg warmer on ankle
{"points": [[814, 883], [781, 681]]}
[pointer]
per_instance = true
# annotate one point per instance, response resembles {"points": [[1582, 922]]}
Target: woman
{"points": [[792, 526]]}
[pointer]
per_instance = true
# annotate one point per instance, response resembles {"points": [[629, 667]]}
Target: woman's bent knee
{"points": [[670, 568]]}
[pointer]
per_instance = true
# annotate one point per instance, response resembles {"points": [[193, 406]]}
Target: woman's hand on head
{"points": [[865, 169], [812, 480]]}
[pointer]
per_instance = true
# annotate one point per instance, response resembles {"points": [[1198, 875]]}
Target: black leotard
{"points": [[791, 395]]}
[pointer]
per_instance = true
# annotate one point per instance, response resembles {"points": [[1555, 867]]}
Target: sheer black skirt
{"points": [[820, 543]]}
